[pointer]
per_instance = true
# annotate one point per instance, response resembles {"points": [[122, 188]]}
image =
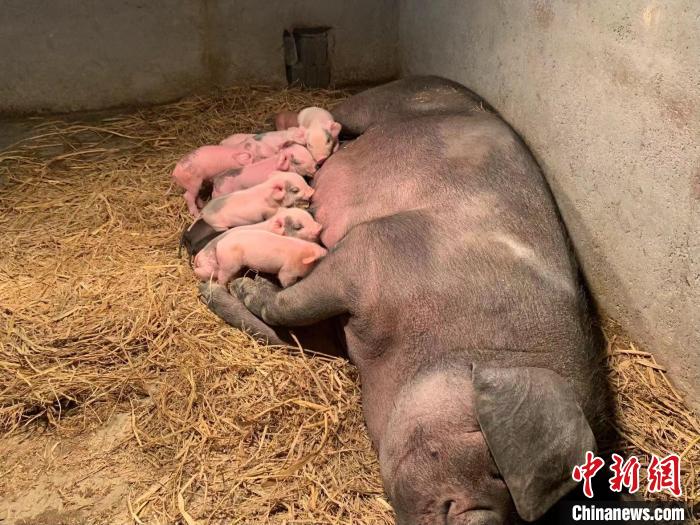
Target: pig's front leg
{"points": [[191, 200], [232, 310], [320, 295]]}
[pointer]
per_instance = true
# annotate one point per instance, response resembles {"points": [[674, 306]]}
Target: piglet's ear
{"points": [[278, 226], [244, 158], [335, 129], [283, 161], [535, 430], [310, 259], [278, 191]]}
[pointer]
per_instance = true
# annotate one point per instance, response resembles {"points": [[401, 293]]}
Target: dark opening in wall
{"points": [[306, 56]]}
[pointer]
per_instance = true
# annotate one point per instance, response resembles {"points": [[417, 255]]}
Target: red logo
{"points": [[586, 472], [625, 474], [665, 474]]}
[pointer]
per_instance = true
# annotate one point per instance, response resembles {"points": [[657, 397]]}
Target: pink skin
{"points": [[300, 160], [294, 158], [290, 222], [258, 203], [322, 132], [266, 144], [247, 177], [291, 259], [203, 164]]}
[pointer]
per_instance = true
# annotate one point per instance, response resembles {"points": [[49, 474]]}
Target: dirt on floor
{"points": [[124, 400]]}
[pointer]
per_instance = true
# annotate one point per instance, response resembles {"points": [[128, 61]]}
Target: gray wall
{"points": [[606, 93], [65, 55]]}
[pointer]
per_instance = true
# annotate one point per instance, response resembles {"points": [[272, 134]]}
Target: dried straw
{"points": [[99, 316], [652, 417]]}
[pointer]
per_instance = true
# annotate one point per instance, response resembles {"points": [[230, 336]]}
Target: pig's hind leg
{"points": [[224, 275], [404, 98], [322, 294], [230, 258], [233, 312]]}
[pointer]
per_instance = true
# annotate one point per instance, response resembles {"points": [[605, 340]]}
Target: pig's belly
{"points": [[331, 204], [347, 195]]}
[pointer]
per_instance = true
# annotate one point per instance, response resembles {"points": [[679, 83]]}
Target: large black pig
{"points": [[454, 289]]}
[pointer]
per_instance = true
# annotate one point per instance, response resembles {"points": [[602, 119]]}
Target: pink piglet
{"points": [[204, 164], [291, 259]]}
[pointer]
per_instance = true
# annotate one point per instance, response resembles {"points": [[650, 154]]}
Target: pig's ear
{"points": [[311, 258], [535, 430], [278, 226], [278, 191], [335, 129], [283, 161], [244, 158], [299, 135]]}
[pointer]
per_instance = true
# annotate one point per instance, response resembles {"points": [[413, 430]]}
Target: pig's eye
{"points": [[295, 161], [294, 189], [297, 226]]}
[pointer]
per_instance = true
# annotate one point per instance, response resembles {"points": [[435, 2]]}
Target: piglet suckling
{"points": [[289, 258], [299, 160], [295, 158], [321, 132], [266, 144], [257, 204], [203, 164], [290, 222]]}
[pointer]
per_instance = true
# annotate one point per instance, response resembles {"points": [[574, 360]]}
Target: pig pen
{"points": [[124, 400]]}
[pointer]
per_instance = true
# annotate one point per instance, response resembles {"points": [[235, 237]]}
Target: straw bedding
{"points": [[100, 319]]}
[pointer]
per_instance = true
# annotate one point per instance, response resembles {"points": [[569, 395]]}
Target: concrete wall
{"points": [[607, 95], [88, 54]]}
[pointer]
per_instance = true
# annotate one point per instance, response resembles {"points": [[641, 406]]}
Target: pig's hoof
{"points": [[243, 287], [254, 293], [210, 291], [246, 290]]}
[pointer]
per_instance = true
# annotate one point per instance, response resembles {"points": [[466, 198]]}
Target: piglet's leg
{"points": [[320, 295], [287, 278], [191, 200], [226, 274]]}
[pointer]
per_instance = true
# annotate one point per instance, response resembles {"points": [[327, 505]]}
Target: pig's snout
{"points": [[457, 515], [305, 200]]}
